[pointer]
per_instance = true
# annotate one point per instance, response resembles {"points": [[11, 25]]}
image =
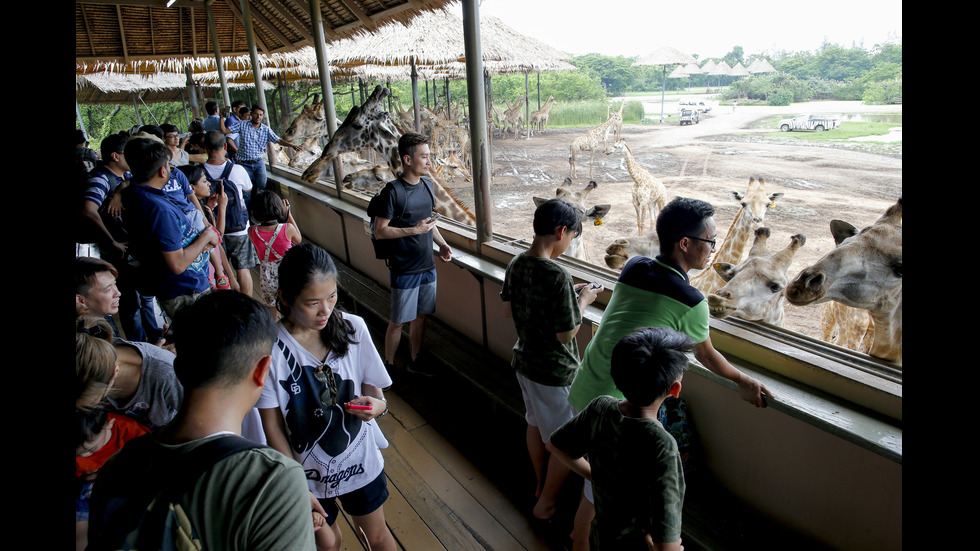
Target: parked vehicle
{"points": [[702, 106], [689, 116], [809, 122]]}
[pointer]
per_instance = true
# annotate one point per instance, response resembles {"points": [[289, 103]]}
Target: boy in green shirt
{"points": [[546, 306], [633, 462]]}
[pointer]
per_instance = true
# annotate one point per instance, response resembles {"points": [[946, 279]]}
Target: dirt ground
{"points": [[853, 181]]}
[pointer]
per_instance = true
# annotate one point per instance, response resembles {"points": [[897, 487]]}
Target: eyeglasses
{"points": [[709, 241], [329, 396]]}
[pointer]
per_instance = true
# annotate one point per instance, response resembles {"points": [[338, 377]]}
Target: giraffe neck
{"points": [[888, 330], [636, 171], [736, 239]]}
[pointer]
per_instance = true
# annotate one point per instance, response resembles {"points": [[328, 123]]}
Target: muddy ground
{"points": [[853, 181]]}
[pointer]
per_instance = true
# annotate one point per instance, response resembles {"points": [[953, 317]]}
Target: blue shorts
{"points": [[412, 295], [359, 502]]}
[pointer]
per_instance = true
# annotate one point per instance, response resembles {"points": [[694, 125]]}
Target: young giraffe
{"points": [[539, 118], [649, 193], [595, 213], [513, 115], [370, 127], [863, 271], [755, 203], [589, 141], [755, 288]]}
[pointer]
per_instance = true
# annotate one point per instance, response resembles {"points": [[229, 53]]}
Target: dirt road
{"points": [[708, 161]]}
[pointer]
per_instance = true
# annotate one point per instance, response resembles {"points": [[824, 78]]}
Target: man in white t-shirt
{"points": [[241, 252]]}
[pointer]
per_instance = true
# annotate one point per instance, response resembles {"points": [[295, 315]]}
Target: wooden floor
{"points": [[438, 499]]}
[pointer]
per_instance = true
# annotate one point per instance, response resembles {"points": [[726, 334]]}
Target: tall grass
{"points": [[573, 114]]}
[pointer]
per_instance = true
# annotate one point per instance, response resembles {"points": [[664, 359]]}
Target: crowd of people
{"points": [[251, 418]]}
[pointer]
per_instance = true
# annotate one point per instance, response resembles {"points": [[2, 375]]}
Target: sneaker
{"points": [[417, 368]]}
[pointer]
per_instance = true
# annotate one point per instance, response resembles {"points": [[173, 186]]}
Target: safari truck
{"points": [[689, 116], [809, 122]]}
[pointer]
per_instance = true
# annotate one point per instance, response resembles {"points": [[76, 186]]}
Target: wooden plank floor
{"points": [[438, 499]]}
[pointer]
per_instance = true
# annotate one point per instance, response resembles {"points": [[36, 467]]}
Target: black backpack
{"points": [[384, 248], [144, 513], [236, 215]]}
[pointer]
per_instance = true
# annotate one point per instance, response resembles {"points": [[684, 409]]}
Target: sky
{"points": [[709, 28]]}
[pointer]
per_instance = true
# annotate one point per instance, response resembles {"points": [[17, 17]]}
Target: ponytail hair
{"points": [[95, 361]]}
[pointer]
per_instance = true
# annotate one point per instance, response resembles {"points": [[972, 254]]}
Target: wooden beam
{"points": [[359, 14], [122, 33], [238, 13], [88, 30], [153, 34], [298, 25]]}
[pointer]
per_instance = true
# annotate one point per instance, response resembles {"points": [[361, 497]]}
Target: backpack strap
{"points": [[127, 507], [227, 171]]}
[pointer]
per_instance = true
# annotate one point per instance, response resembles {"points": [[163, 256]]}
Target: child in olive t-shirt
{"points": [[633, 462]]}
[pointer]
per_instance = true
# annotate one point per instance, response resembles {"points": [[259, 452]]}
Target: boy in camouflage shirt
{"points": [[546, 306], [633, 462]]}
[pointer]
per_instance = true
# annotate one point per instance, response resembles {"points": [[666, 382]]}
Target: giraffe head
{"points": [[367, 126], [310, 123], [863, 271], [577, 198], [619, 146], [755, 202], [755, 288]]}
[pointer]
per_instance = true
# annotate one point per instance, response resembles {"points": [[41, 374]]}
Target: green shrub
{"points": [[781, 97]]}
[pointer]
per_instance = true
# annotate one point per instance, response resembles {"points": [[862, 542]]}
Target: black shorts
{"points": [[359, 502]]}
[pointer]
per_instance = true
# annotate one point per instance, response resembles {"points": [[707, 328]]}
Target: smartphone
{"points": [[592, 285], [216, 184], [352, 405]]}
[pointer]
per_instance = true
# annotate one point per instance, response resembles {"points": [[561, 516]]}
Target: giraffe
{"points": [[369, 127], [512, 116], [588, 142], [452, 167], [369, 180], [619, 121], [595, 213], [649, 193], [863, 271], [754, 289], [539, 118], [755, 203]]}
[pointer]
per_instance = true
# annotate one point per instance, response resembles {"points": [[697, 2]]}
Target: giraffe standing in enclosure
{"points": [[539, 118], [589, 142], [649, 193]]}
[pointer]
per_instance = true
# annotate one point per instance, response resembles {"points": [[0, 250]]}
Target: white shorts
{"points": [[547, 406]]}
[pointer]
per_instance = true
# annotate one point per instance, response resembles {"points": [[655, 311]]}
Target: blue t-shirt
{"points": [[158, 224], [179, 187], [212, 123]]}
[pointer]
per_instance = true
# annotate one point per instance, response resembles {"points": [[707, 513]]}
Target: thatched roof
{"points": [[721, 68], [678, 72], [123, 31], [739, 70], [435, 40], [708, 66], [760, 65], [665, 55], [118, 88]]}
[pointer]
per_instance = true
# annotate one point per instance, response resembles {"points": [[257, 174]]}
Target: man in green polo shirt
{"points": [[656, 292]]}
